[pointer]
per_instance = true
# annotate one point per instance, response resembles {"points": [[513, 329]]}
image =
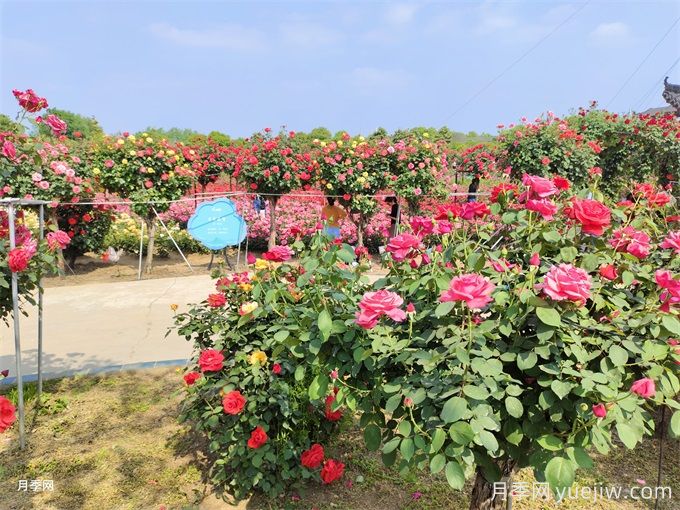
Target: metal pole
{"points": [[238, 256], [40, 309], [246, 247], [663, 427], [17, 333], [172, 239], [141, 251]]}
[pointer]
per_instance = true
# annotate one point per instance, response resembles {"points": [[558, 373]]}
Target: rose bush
{"points": [[507, 341]]}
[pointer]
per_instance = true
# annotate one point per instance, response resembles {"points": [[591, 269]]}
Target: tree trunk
{"points": [[272, 221], [61, 264], [360, 230], [483, 498], [151, 229]]}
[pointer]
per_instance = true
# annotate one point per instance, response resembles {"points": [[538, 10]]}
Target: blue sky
{"points": [[237, 67]]}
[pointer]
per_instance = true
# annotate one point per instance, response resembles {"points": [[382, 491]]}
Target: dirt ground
{"points": [[113, 442]]}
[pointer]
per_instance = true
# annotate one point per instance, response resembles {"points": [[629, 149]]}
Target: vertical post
{"points": [[40, 308], [172, 239], [246, 255], [238, 256], [141, 251], [17, 332]]}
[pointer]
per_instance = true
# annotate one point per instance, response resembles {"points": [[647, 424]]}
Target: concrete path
{"points": [[105, 326]]}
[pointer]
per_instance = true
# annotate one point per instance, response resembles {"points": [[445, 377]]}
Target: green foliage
{"points": [[7, 124], [79, 126]]}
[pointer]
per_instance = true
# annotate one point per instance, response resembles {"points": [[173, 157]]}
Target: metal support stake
{"points": [[663, 427], [141, 251], [238, 256], [17, 332], [172, 239], [40, 308]]}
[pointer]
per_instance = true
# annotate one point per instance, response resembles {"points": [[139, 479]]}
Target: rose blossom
{"points": [[258, 438], [332, 470], [210, 360], [216, 300], [330, 414], [472, 210], [57, 125], [535, 260], [599, 410], [233, 402], [539, 186], [672, 242], [8, 150], [544, 207], [18, 259], [58, 239], [644, 387], [7, 416], [561, 183], [278, 254], [671, 293], [474, 289], [30, 101], [313, 457], [374, 305], [631, 241], [191, 377], [566, 282], [609, 272], [448, 211], [402, 246], [593, 216]]}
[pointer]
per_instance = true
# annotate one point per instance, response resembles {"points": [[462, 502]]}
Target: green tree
{"points": [[7, 124], [88, 127]]}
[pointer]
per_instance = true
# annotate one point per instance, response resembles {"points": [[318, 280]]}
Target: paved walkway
{"points": [[105, 326]]}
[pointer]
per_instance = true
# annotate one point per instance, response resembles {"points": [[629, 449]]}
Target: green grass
{"points": [[113, 442]]}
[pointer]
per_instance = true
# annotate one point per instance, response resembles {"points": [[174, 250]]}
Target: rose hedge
{"points": [[513, 340]]}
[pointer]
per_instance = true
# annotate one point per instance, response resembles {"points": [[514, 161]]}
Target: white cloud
{"points": [[230, 37], [400, 14], [614, 33], [304, 33]]}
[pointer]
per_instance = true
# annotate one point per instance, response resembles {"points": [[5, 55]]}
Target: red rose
{"points": [[473, 210], [599, 410], [332, 470], [191, 377], [18, 260], [8, 150], [474, 289], [313, 457], [216, 300], [30, 101], [609, 272], [7, 416], [276, 368], [593, 216], [87, 218], [211, 360], [332, 415], [258, 437], [561, 183], [278, 254], [233, 402]]}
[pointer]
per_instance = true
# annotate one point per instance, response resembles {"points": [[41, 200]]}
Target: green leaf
{"points": [[582, 458], [526, 360], [392, 403], [627, 435], [437, 440], [476, 392], [559, 473], [549, 316], [671, 324], [299, 373], [560, 388], [627, 278], [391, 445], [453, 410], [550, 442], [281, 335], [514, 407], [372, 437], [443, 309], [455, 475], [404, 428], [461, 433], [618, 355], [318, 388], [674, 425], [325, 324], [437, 463], [488, 440], [407, 448]]}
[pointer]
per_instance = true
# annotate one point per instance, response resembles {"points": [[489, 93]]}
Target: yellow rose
{"points": [[247, 308], [132, 153], [171, 152], [339, 143], [132, 138], [365, 174], [96, 171], [354, 144], [171, 174], [120, 141], [149, 139], [361, 179], [426, 135], [125, 161], [323, 144], [145, 134], [361, 138], [329, 185], [258, 357], [173, 307], [245, 287], [261, 264]]}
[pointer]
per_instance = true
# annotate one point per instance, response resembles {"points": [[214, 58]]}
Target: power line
{"points": [[643, 62], [644, 98], [517, 61]]}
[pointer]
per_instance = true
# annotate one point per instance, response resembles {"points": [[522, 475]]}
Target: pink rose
{"points": [[672, 242], [403, 246], [278, 254], [18, 259], [644, 387], [593, 216], [535, 260], [472, 210], [57, 125], [670, 296], [374, 305], [566, 282], [474, 289], [8, 150], [599, 410], [539, 186], [30, 101], [609, 272], [629, 240], [58, 239], [544, 207]]}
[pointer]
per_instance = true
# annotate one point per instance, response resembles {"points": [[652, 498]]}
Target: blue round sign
{"points": [[216, 224]]}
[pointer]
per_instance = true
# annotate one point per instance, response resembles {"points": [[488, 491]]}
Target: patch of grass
{"points": [[109, 441]]}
